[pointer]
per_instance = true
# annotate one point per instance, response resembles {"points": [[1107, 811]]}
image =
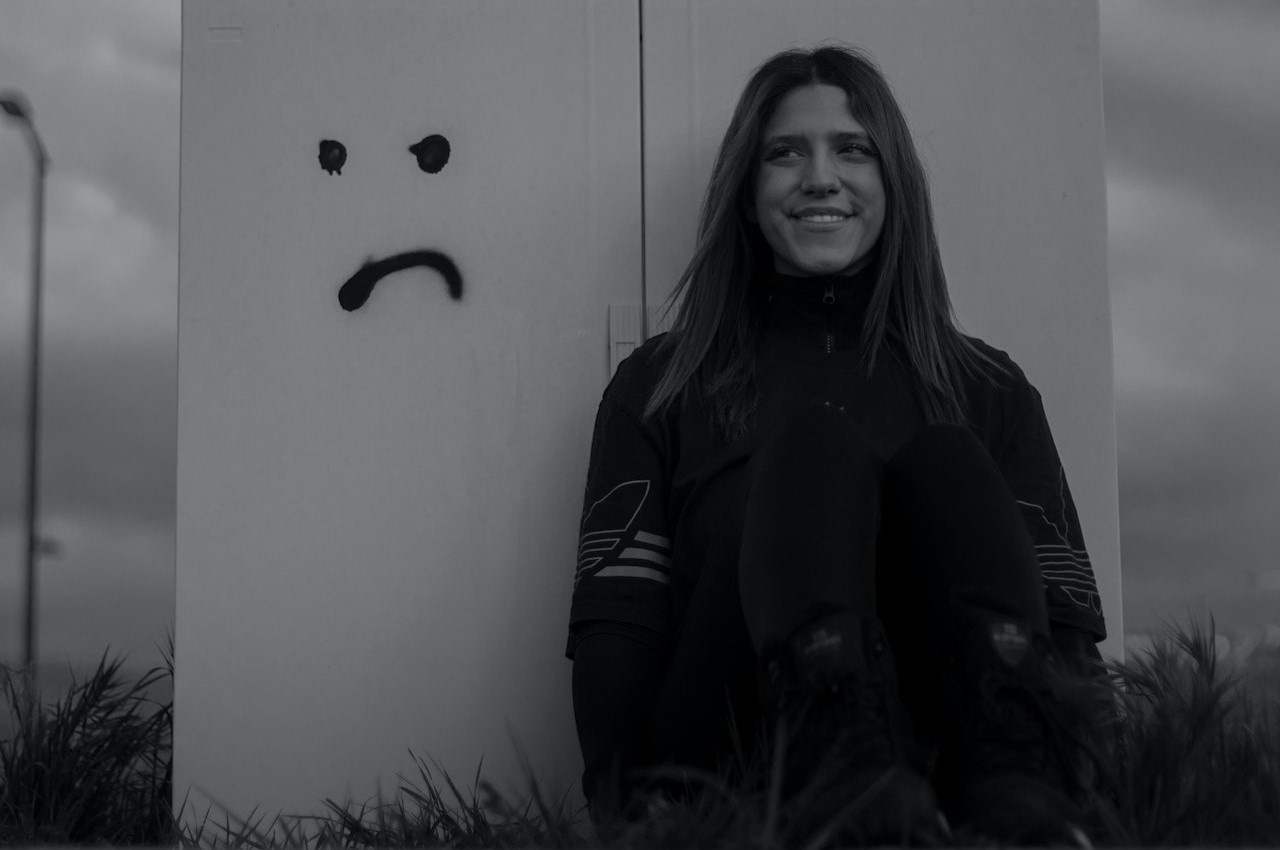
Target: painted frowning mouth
{"points": [[356, 291]]}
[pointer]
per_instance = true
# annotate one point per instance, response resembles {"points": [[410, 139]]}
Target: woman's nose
{"points": [[820, 176]]}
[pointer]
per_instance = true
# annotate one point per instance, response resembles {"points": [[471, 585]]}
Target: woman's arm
{"points": [[1032, 468], [619, 617], [616, 678]]}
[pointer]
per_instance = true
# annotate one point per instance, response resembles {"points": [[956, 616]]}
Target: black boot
{"points": [[1007, 765], [847, 761]]}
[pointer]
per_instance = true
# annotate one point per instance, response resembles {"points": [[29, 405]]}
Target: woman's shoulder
{"points": [[639, 372], [998, 391], [1007, 376], [646, 363]]}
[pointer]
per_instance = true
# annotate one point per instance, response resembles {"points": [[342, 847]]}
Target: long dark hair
{"points": [[713, 338]]}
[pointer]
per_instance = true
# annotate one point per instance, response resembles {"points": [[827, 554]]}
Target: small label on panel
{"points": [[625, 333], [225, 33]]}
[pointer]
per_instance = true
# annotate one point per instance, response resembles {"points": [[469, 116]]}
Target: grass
{"points": [[1190, 756], [1194, 753], [92, 767], [419, 816]]}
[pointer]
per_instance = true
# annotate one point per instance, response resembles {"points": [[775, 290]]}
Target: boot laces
{"points": [[1021, 728], [852, 713]]}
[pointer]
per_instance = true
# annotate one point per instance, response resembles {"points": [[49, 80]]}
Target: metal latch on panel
{"points": [[625, 333]]}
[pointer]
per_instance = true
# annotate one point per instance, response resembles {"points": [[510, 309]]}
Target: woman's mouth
{"points": [[822, 218], [822, 221]]}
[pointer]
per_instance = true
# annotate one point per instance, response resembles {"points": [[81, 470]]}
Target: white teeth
{"points": [[823, 219]]}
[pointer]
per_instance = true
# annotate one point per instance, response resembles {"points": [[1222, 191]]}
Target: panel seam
{"points": [[644, 242]]}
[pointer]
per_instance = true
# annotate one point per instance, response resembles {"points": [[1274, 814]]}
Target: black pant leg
{"points": [[961, 535], [799, 523], [954, 553], [711, 668], [810, 524], [931, 542]]}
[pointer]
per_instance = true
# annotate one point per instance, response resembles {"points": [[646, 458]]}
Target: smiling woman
{"points": [[818, 500]]}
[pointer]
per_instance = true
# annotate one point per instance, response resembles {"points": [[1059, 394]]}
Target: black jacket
{"points": [[652, 498]]}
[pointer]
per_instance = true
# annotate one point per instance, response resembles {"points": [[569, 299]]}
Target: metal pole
{"points": [[14, 105], [33, 402]]}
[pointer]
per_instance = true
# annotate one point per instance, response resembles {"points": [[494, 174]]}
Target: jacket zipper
{"points": [[829, 298]]}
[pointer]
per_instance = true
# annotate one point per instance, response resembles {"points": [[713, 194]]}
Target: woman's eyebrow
{"points": [[836, 138]]}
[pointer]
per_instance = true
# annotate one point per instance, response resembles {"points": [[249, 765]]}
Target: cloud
{"points": [[1192, 126], [1218, 58], [1189, 92], [103, 80], [1196, 391], [108, 431], [110, 272], [109, 352], [1192, 296], [111, 585], [123, 36]]}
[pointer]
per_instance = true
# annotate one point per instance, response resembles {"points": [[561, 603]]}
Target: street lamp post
{"points": [[15, 106]]}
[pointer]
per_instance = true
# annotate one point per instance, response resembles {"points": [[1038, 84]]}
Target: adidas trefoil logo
{"points": [[1011, 642], [822, 641]]}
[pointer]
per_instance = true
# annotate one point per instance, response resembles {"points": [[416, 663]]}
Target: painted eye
{"points": [[332, 155], [432, 153]]}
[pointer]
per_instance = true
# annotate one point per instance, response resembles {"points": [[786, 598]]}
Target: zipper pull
{"points": [[829, 297]]}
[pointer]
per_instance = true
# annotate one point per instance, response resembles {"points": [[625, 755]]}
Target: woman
{"points": [[816, 510]]}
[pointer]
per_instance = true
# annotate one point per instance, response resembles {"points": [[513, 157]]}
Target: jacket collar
{"points": [[818, 313]]}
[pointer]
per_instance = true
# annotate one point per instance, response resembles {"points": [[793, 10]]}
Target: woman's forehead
{"points": [[816, 108]]}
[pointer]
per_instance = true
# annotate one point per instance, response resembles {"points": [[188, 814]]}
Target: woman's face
{"points": [[818, 196]]}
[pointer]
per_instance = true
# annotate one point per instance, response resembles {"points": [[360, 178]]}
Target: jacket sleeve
{"points": [[1034, 472], [623, 573], [620, 610], [615, 682]]}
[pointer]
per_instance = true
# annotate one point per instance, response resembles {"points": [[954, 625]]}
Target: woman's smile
{"points": [[821, 221], [822, 215]]}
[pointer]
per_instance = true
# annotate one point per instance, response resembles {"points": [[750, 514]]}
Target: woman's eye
{"points": [[778, 153], [858, 150]]}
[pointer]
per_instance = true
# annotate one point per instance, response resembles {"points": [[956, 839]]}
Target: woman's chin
{"points": [[821, 266]]}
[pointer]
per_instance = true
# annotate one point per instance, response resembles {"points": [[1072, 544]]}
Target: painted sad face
{"points": [[432, 153], [819, 199]]}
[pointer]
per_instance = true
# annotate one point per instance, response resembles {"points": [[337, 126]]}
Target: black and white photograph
{"points": [[637, 423]]}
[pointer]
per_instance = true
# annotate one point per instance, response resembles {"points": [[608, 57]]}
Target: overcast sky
{"points": [[1193, 126]]}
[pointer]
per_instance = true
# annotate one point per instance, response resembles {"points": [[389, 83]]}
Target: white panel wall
{"points": [[377, 510], [1004, 99]]}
